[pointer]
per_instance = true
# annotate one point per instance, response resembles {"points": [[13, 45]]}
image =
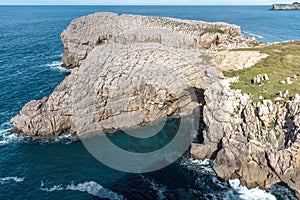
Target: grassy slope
{"points": [[283, 62]]}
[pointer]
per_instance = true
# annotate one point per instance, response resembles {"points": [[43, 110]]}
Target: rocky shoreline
{"points": [[293, 6], [123, 75]]}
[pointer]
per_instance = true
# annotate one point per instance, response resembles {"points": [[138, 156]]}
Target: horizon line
{"points": [[135, 5]]}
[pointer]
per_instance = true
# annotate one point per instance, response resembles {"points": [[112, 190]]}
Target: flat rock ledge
{"points": [[131, 70], [84, 33]]}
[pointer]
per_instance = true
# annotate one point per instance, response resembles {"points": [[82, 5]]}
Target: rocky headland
{"points": [[130, 70], [293, 6]]}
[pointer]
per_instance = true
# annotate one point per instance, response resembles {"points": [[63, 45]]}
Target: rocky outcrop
{"points": [[131, 70], [131, 56], [293, 6], [84, 33], [118, 86], [257, 143]]}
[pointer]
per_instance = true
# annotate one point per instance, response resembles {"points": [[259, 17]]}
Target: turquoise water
{"points": [[30, 56]]}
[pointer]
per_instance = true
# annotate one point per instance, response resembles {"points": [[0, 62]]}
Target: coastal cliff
{"points": [[130, 70], [293, 6], [257, 143], [83, 34], [120, 48], [257, 138]]}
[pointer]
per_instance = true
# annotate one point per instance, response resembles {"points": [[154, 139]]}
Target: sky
{"points": [[141, 2]]}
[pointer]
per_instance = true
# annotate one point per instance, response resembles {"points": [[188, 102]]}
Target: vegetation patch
{"points": [[205, 58], [283, 62], [212, 30]]}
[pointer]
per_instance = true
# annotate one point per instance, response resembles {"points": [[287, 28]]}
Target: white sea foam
{"points": [[7, 138], [56, 56], [90, 187], [205, 162], [7, 113], [51, 189], [200, 166], [158, 188], [231, 190], [56, 65], [66, 139], [11, 178], [221, 184], [252, 34], [252, 194]]}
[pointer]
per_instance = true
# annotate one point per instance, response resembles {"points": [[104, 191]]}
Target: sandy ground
{"points": [[236, 60]]}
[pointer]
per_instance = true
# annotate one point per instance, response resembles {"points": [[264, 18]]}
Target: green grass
{"points": [[212, 30], [205, 58], [283, 61]]}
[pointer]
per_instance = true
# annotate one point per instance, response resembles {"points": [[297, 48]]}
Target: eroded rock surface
{"points": [[118, 86], [84, 33], [130, 56], [134, 69], [257, 143]]}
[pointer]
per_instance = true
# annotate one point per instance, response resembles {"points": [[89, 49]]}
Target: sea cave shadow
{"points": [[198, 96]]}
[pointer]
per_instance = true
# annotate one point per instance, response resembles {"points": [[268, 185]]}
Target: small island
{"points": [[293, 6]]}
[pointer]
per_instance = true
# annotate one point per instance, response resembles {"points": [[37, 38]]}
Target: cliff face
{"points": [[256, 143], [131, 70], [294, 6], [85, 33], [114, 78]]}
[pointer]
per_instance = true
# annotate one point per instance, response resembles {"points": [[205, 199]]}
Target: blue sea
{"points": [[30, 58]]}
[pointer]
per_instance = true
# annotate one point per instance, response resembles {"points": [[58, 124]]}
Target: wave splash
{"points": [[159, 189], [56, 65], [198, 166], [90, 187], [252, 194], [231, 190], [7, 138], [9, 179]]}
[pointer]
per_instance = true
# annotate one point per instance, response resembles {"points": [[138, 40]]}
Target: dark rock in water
{"points": [[293, 6]]}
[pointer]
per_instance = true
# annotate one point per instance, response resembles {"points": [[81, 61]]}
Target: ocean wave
{"points": [[198, 166], [56, 65], [232, 190], [7, 138], [158, 188], [11, 178], [224, 195], [7, 113], [56, 55], [252, 194], [90, 187], [252, 34]]}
